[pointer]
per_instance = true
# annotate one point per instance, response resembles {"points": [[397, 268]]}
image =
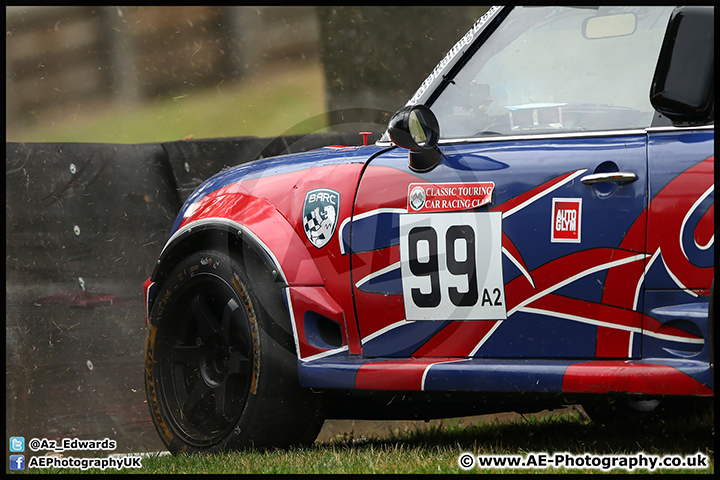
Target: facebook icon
{"points": [[17, 462]]}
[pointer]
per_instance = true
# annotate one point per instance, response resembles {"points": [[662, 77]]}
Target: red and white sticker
{"points": [[566, 220], [448, 197]]}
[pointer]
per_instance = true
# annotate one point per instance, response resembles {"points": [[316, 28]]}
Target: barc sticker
{"points": [[320, 215]]}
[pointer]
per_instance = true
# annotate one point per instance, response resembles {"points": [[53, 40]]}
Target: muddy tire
{"points": [[215, 378]]}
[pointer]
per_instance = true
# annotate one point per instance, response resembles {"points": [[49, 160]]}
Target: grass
{"points": [[264, 105], [436, 449]]}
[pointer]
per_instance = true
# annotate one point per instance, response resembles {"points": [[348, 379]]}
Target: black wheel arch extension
{"points": [[258, 264], [219, 236]]}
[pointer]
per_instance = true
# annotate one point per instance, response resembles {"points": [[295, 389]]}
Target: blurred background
{"points": [[113, 116], [150, 74]]}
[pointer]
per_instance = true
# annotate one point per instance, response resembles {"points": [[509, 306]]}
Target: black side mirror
{"points": [[416, 128], [682, 88]]}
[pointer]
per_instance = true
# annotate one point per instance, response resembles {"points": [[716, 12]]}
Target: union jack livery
{"points": [[512, 242]]}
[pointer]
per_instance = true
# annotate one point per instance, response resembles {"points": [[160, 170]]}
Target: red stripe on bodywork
{"points": [[316, 301], [553, 273], [456, 340], [263, 220], [394, 374], [613, 343], [704, 230], [514, 253], [667, 212], [630, 377]]}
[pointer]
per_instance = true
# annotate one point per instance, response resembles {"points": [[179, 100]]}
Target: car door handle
{"points": [[621, 178]]}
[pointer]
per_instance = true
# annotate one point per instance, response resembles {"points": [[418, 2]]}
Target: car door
{"points": [[514, 242], [680, 241], [501, 251]]}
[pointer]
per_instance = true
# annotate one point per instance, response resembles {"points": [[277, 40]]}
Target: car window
{"points": [[549, 69]]}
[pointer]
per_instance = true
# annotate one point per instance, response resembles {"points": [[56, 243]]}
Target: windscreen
{"points": [[550, 69]]}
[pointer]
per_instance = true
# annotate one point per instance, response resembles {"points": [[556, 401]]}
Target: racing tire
{"points": [[215, 378]]}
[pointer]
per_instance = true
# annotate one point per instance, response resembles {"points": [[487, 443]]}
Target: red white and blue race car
{"points": [[534, 229]]}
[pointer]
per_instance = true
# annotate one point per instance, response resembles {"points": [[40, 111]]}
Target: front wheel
{"points": [[215, 378]]}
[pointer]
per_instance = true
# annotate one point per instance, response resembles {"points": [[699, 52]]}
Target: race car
{"points": [[534, 229]]}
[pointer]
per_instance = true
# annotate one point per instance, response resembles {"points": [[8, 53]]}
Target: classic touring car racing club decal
{"points": [[451, 264], [444, 197], [320, 215]]}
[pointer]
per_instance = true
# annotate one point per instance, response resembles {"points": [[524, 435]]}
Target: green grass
{"points": [[265, 105], [436, 449]]}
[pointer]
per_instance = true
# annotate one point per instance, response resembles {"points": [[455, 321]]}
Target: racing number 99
{"points": [[451, 266], [430, 268]]}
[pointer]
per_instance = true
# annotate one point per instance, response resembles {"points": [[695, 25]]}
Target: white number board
{"points": [[451, 266]]}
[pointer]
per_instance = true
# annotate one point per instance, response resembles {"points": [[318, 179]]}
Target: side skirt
{"points": [[642, 377]]}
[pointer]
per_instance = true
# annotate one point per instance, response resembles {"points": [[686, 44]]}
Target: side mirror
{"points": [[682, 88], [416, 128]]}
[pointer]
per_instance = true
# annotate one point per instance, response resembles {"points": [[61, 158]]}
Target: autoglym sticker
{"points": [[566, 220], [451, 266], [320, 215], [447, 197]]}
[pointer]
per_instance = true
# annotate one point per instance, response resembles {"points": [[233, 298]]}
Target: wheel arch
{"points": [[239, 221], [217, 234], [259, 263], [252, 230]]}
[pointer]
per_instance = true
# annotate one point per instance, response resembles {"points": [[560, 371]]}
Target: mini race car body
{"points": [[536, 239]]}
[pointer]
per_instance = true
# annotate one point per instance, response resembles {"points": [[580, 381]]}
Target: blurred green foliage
{"points": [[265, 105]]}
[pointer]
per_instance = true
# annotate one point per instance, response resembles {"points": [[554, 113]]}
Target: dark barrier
{"points": [[84, 226], [83, 210], [191, 162]]}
